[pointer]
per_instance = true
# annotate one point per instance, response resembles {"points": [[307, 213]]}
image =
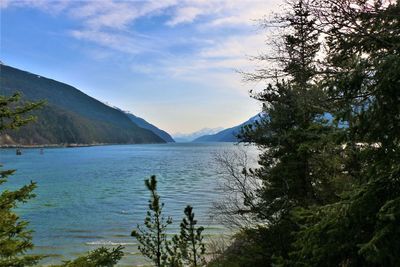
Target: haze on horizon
{"points": [[170, 62]]}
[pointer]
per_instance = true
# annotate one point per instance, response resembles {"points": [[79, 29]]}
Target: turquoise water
{"points": [[93, 196]]}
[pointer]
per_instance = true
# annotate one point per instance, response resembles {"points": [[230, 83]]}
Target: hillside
{"points": [[146, 125], [189, 137], [227, 135], [70, 116]]}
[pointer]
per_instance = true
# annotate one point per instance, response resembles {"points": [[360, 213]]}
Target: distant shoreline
{"points": [[52, 145], [71, 145], [98, 144]]}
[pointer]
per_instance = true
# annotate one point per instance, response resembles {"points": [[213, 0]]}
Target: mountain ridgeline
{"points": [[146, 125], [189, 137], [69, 116], [230, 134]]}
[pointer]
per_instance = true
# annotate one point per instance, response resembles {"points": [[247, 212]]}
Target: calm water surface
{"points": [[93, 196]]}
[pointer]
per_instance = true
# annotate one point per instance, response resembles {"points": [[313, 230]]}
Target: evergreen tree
{"points": [[187, 248], [298, 156], [14, 113], [101, 257], [174, 250], [153, 237], [330, 188], [15, 238], [193, 248], [301, 164], [364, 78]]}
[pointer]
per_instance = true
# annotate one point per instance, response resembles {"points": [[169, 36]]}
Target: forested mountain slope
{"points": [[69, 116]]}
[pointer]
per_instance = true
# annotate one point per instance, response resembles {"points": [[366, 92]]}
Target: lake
{"points": [[93, 196]]}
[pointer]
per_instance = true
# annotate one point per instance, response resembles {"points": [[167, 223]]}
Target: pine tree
{"points": [[15, 239], [14, 113], [187, 248], [101, 257], [193, 249], [298, 155], [300, 163], [330, 188], [152, 237], [174, 250], [364, 62]]}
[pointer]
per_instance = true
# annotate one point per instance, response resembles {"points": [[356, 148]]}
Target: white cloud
{"points": [[235, 46], [52, 7], [110, 25], [4, 3], [224, 54], [116, 14], [223, 13], [119, 14], [245, 13], [115, 41], [200, 60], [185, 15], [98, 14]]}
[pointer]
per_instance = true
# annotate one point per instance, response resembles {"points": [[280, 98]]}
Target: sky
{"points": [[173, 63]]}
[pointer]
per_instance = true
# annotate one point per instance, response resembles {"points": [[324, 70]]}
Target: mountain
{"points": [[146, 125], [227, 135], [182, 138], [69, 116]]}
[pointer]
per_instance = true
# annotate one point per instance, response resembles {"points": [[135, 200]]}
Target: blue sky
{"points": [[170, 62]]}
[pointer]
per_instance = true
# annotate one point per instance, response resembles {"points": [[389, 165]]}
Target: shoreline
{"points": [[98, 144], [70, 145], [52, 145]]}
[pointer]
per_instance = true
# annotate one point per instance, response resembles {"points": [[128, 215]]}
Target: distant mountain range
{"points": [[70, 116], [227, 135], [182, 138]]}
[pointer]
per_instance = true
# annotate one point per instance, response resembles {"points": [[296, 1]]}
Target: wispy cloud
{"points": [[119, 14], [52, 7], [126, 43], [155, 51], [245, 14], [99, 14], [223, 13], [116, 14], [185, 15], [215, 54]]}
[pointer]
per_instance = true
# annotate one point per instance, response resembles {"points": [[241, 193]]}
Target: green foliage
{"points": [[185, 249], [300, 164], [14, 113], [56, 125], [174, 250], [294, 132], [362, 229], [15, 239], [193, 248], [384, 245], [101, 257], [152, 237], [258, 247], [70, 116], [337, 181]]}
